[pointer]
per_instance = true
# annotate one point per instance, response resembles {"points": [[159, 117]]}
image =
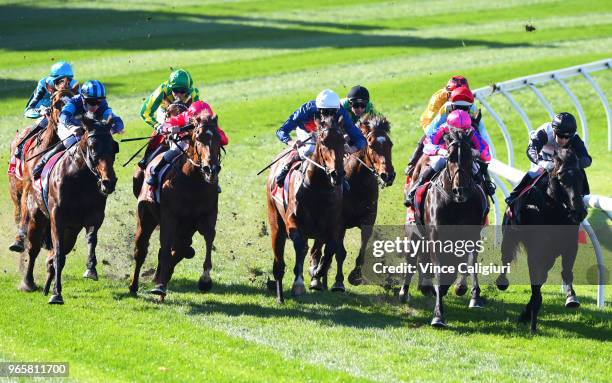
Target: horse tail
{"points": [[47, 244], [510, 240]]}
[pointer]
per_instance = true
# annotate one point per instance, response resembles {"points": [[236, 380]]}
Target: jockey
{"points": [[92, 99], [437, 151], [303, 119], [357, 103], [544, 143], [179, 87], [180, 140], [437, 103], [60, 76]]}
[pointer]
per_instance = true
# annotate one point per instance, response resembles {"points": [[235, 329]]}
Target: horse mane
{"points": [[565, 156], [375, 124]]}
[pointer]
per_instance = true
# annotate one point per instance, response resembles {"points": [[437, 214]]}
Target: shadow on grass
{"points": [[146, 30], [371, 310]]}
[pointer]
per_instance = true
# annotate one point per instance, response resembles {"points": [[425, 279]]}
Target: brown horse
{"points": [[453, 211], [365, 171], [313, 208], [42, 140], [78, 186], [189, 203]]}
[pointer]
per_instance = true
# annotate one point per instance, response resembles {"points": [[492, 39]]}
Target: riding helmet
{"points": [[93, 89], [358, 93], [456, 82], [327, 99], [60, 70], [462, 96], [180, 79], [459, 119], [564, 123]]}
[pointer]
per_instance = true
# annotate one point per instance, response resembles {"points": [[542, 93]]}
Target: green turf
{"points": [[255, 62]]}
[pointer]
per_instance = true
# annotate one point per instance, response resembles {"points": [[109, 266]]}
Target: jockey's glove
{"points": [[546, 165], [76, 130], [159, 128]]}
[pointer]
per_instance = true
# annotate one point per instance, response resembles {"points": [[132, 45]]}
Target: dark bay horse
{"points": [[78, 186], [548, 227], [365, 170], [189, 203], [313, 208], [42, 140], [453, 211]]}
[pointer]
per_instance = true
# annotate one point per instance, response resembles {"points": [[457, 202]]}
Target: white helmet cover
{"points": [[327, 99]]}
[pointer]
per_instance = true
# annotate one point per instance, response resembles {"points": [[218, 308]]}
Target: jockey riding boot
{"points": [[40, 126], [418, 152], [424, 177], [149, 156], [45, 158], [518, 189], [152, 180], [487, 184], [280, 178]]}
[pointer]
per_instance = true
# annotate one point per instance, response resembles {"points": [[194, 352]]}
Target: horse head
{"points": [[566, 184], [329, 148], [59, 99], [205, 152], [459, 163], [378, 150], [100, 149]]}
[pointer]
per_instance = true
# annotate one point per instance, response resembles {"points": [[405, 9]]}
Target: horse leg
{"points": [[438, 314], [91, 236], [461, 285], [144, 228], [21, 209], [340, 257], [404, 295], [315, 259], [536, 295], [476, 301], [300, 247], [205, 282], [166, 234], [568, 257], [35, 231], [355, 278], [64, 240]]}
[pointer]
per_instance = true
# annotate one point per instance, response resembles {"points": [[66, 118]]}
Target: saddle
{"points": [[153, 194], [282, 194], [42, 184], [16, 164]]}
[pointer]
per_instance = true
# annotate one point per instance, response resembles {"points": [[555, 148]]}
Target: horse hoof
{"points": [[298, 289], [355, 278], [477, 303], [205, 284], [316, 284], [404, 297], [190, 253], [17, 247], [134, 291], [427, 291], [271, 285], [158, 290], [27, 287], [502, 283], [438, 322], [460, 290], [56, 299], [91, 274], [338, 287], [572, 302]]}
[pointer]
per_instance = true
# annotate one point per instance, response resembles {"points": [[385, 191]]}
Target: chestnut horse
{"points": [[365, 171], [189, 203], [40, 142], [79, 184], [313, 208], [453, 210], [548, 228]]}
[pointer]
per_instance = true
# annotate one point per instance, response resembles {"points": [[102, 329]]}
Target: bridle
{"points": [[379, 179], [202, 168], [452, 175]]}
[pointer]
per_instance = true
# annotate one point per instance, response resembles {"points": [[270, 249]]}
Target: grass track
{"points": [[256, 62]]}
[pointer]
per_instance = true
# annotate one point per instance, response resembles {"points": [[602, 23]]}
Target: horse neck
{"points": [[49, 136], [315, 176]]}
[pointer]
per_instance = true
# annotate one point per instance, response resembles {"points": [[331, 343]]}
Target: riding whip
{"points": [[279, 158]]}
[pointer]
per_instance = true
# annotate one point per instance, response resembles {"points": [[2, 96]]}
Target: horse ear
{"points": [[115, 147], [215, 118]]}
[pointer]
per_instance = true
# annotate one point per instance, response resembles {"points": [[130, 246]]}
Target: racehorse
{"points": [[19, 186], [78, 186], [454, 209], [188, 203], [365, 170], [313, 206], [555, 204]]}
